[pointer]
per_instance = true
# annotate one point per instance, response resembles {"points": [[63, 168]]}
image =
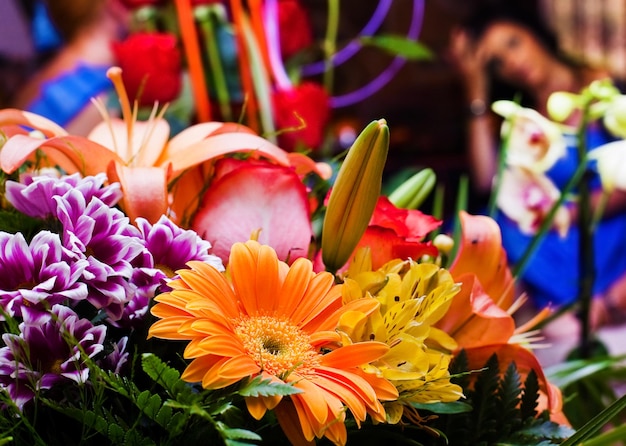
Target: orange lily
{"points": [[480, 316], [137, 154]]}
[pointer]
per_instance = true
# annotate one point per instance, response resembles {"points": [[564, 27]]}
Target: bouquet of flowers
{"points": [[214, 287]]}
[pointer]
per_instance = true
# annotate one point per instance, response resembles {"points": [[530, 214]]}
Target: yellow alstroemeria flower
{"points": [[534, 142], [135, 153], [413, 297]]}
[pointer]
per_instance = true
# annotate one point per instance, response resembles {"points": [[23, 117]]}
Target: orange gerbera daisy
{"points": [[266, 318]]}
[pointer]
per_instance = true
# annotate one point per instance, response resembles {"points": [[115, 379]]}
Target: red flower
{"points": [[394, 233], [248, 196], [151, 67], [306, 105], [294, 27], [204, 2], [398, 233]]}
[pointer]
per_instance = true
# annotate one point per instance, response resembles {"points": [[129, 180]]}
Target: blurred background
{"points": [[423, 104]]}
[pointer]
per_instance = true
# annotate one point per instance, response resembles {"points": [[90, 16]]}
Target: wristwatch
{"points": [[477, 107]]}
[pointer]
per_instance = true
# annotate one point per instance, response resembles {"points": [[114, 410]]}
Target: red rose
{"points": [[305, 105], [151, 67], [294, 27], [252, 195]]}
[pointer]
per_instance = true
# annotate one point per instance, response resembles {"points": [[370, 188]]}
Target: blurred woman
{"points": [[506, 48]]}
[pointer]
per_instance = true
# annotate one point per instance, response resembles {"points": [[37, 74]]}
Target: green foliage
{"points": [[504, 410], [588, 387], [399, 45]]}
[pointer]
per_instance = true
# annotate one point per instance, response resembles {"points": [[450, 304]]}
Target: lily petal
{"points": [[145, 190], [72, 153]]}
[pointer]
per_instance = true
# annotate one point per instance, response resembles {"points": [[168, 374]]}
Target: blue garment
{"points": [[62, 98], [552, 274]]}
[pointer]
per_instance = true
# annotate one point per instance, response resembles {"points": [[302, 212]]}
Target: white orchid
{"points": [[527, 197], [534, 142], [611, 159]]}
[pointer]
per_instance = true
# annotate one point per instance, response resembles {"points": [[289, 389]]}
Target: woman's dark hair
{"points": [[524, 13], [520, 13]]}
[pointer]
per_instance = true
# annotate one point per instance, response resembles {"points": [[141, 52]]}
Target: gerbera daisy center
{"points": [[277, 346]]}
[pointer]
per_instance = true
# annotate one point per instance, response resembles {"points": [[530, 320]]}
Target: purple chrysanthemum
{"points": [[168, 249], [44, 355], [117, 359], [34, 195], [172, 247], [104, 237], [36, 276]]}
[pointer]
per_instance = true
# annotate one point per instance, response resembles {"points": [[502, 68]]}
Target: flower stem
{"points": [[330, 43], [207, 18], [585, 227]]}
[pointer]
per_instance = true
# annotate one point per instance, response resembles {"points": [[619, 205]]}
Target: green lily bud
{"points": [[561, 105], [412, 193], [354, 195]]}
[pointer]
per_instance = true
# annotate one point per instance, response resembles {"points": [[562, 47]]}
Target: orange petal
{"points": [[222, 345], [238, 368], [313, 398], [294, 286], [355, 355], [248, 276], [144, 188], [196, 370], [289, 421], [13, 116], [474, 319], [72, 153], [198, 132], [222, 144], [149, 139], [167, 328], [481, 253], [256, 407], [304, 165]]}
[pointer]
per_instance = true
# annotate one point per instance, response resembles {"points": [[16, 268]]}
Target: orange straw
{"points": [[194, 61], [244, 67], [258, 27]]}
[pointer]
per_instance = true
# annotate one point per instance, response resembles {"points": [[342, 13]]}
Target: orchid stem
{"points": [[585, 228]]}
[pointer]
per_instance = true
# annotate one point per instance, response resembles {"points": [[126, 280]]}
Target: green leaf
{"points": [[167, 377], [265, 387], [399, 45], [571, 371], [453, 407], [237, 434], [115, 433], [530, 396], [148, 403], [590, 428]]}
